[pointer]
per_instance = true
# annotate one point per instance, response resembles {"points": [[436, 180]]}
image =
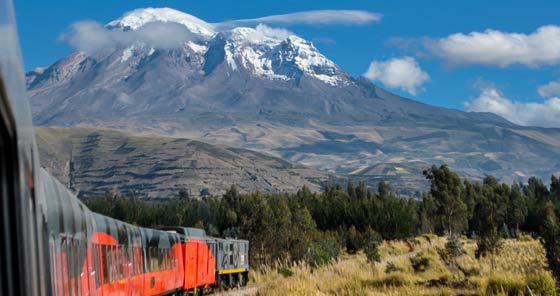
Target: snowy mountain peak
{"points": [[142, 16], [275, 54], [261, 51]]}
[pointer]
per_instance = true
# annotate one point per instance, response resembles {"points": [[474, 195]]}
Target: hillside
{"points": [[95, 161], [257, 89]]}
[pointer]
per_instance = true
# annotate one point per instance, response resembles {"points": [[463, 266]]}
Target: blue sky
{"points": [[415, 34]]}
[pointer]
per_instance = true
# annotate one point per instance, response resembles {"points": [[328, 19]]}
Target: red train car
{"points": [[200, 264]]}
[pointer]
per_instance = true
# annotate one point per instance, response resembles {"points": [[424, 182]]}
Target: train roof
{"points": [[197, 233]]}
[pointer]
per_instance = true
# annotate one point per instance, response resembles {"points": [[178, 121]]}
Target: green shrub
{"points": [[285, 271], [454, 248], [542, 284], [473, 271], [392, 280], [419, 263], [392, 267], [505, 285], [323, 250], [442, 254]]}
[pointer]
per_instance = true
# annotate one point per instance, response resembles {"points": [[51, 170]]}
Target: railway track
{"points": [[250, 290]]}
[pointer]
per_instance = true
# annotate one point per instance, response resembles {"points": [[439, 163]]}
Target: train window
{"points": [[115, 275], [143, 256], [137, 262], [96, 265], [168, 259], [103, 260], [64, 265], [121, 261], [77, 266], [152, 258], [129, 262], [110, 263], [140, 260], [164, 253], [53, 259], [160, 260]]}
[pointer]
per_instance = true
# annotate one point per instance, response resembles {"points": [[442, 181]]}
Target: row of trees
{"points": [[316, 226]]}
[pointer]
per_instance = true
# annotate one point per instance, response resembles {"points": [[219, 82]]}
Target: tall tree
{"points": [[350, 189], [383, 189], [446, 188]]}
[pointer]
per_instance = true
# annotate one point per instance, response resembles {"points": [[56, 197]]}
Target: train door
{"points": [[201, 268], [211, 264], [190, 264]]}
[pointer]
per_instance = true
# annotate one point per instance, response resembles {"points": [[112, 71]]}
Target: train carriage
{"points": [[232, 262]]}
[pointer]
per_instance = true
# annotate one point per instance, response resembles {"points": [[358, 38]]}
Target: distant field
{"points": [[519, 269]]}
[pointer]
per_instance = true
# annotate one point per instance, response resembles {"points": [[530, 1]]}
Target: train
{"points": [[52, 244], [92, 254]]}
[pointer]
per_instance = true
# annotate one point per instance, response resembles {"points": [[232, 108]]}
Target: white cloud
{"points": [[403, 73], [312, 17], [493, 47], [546, 114], [550, 89], [90, 36], [273, 32]]}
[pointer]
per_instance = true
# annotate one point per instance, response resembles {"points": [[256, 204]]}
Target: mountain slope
{"points": [[96, 161], [268, 90]]}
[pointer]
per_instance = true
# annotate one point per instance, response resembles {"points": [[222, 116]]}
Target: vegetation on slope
{"points": [[521, 271], [316, 228]]}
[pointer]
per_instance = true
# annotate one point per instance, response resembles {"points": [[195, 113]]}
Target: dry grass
{"points": [[516, 257], [520, 265]]}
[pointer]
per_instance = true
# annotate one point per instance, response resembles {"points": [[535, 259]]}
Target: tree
{"points": [[550, 233], [372, 241], [350, 189], [537, 190], [361, 190], [183, 194], [555, 188], [489, 243], [427, 214], [517, 208], [383, 189], [446, 188]]}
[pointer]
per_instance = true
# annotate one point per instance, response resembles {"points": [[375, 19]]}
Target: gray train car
{"points": [[232, 262]]}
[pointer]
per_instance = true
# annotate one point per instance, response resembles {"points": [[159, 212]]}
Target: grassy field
{"points": [[519, 269]]}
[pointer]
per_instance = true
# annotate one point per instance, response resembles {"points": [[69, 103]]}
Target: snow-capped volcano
{"points": [[165, 71]]}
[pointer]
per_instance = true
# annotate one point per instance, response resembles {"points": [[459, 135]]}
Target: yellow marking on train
{"points": [[228, 271]]}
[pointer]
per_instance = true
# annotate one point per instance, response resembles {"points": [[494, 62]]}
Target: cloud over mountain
{"points": [[404, 73], [491, 99], [312, 17], [550, 89], [497, 48], [90, 36]]}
